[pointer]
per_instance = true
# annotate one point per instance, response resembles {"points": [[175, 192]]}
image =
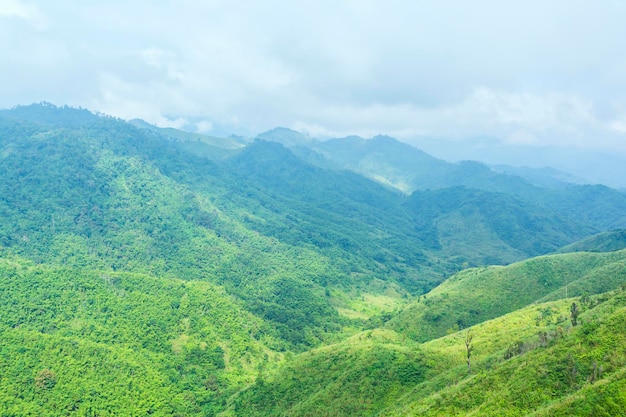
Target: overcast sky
{"points": [[531, 72]]}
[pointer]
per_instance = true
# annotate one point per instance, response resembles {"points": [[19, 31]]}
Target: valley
{"points": [[154, 271]]}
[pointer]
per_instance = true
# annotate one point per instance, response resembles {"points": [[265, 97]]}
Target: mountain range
{"points": [[157, 271]]}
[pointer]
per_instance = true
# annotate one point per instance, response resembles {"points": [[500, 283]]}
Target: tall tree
{"points": [[574, 312]]}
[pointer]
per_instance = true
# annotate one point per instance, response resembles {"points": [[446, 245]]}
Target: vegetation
{"points": [[525, 362], [88, 340], [475, 295], [153, 271], [602, 242]]}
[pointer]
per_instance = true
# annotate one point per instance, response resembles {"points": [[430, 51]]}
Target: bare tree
{"points": [[469, 347]]}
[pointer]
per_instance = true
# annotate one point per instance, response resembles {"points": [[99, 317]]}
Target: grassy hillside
{"points": [[602, 242], [573, 371], [480, 294], [529, 361]]}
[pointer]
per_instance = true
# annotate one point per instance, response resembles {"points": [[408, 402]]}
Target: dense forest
{"points": [[154, 271]]}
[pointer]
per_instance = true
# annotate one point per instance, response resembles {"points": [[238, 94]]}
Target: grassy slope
{"points": [[480, 294], [602, 242], [358, 376], [530, 360], [578, 371]]}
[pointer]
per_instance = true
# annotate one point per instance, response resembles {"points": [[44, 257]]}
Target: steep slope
{"points": [[340, 214], [480, 294], [528, 361], [497, 228], [111, 197], [406, 168], [602, 242]]}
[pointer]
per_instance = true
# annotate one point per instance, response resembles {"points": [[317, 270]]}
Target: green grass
{"points": [[480, 294], [583, 364], [529, 361]]}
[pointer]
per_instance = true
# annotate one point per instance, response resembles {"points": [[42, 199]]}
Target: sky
{"points": [[531, 74]]}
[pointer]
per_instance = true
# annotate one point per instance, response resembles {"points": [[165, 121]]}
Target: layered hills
{"points": [[161, 272], [528, 355]]}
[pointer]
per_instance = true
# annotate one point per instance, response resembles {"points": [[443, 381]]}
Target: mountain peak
{"points": [[285, 136], [49, 114]]}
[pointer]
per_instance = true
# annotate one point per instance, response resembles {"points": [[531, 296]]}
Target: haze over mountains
{"points": [[163, 272]]}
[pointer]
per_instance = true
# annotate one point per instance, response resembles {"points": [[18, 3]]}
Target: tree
{"points": [[574, 312], [45, 379], [469, 347]]}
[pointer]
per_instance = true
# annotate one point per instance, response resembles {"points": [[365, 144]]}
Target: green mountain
{"points": [[602, 242], [532, 360], [408, 169], [203, 145], [152, 271], [542, 177], [475, 295], [490, 223], [385, 160]]}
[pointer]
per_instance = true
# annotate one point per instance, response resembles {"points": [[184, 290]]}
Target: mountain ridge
{"points": [[222, 275]]}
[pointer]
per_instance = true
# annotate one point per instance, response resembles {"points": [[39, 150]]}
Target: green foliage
{"points": [[155, 337], [480, 294], [577, 373], [602, 242], [520, 366], [356, 377], [496, 227], [150, 271]]}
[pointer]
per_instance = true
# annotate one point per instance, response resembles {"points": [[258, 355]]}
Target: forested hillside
{"points": [[526, 355], [161, 272]]}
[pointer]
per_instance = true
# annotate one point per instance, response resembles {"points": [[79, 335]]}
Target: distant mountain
{"points": [[199, 144], [390, 162], [383, 159], [408, 169], [592, 166], [490, 222], [603, 242], [284, 136], [542, 177]]}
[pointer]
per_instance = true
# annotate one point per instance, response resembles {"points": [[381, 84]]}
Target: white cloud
{"points": [[533, 72], [15, 8]]}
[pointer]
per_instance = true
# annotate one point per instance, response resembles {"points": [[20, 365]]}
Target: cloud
{"points": [[15, 8], [533, 72]]}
